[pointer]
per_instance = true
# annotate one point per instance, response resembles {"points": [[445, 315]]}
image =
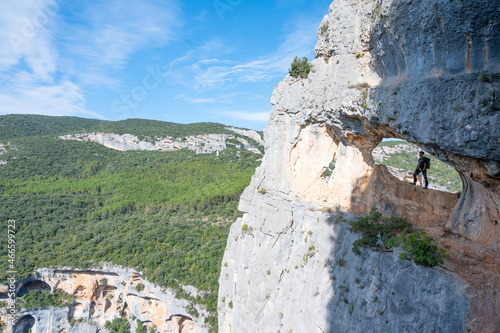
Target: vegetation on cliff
{"points": [[388, 232], [44, 298], [377, 230], [300, 68], [77, 204], [118, 325]]}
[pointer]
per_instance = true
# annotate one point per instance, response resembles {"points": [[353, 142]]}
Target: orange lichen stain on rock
{"points": [[83, 285], [155, 310], [469, 48]]}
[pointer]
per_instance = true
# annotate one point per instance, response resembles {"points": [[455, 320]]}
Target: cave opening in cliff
{"points": [[24, 324], [179, 322], [76, 310], [401, 158], [33, 285]]}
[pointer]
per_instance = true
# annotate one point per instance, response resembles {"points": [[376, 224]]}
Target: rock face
{"points": [[384, 68], [250, 133], [201, 144], [102, 296]]}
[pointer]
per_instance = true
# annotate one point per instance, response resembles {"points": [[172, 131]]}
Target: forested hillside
{"points": [[14, 126], [78, 204]]}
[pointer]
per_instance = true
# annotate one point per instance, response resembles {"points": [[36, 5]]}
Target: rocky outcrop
{"points": [[250, 133], [201, 144], [384, 68], [104, 295], [3, 150]]}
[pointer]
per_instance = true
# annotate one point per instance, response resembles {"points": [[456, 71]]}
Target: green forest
{"points": [[78, 204], [15, 126]]}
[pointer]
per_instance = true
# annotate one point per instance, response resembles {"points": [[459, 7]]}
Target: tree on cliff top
{"points": [[300, 68]]}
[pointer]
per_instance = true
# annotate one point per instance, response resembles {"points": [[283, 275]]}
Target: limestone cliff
{"points": [[103, 295], [201, 144], [421, 71]]}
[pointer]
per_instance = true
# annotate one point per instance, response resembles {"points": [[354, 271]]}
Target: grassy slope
{"points": [[78, 203]]}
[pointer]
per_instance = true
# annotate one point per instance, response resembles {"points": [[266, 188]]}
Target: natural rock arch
{"points": [[401, 159], [382, 69]]}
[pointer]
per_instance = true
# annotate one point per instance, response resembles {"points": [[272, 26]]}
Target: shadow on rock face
{"points": [[32, 285], [24, 325]]}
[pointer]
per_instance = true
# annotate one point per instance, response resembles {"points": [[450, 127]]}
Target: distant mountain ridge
{"points": [[22, 125], [133, 134]]}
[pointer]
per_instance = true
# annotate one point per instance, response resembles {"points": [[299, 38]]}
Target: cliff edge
{"points": [[425, 72]]}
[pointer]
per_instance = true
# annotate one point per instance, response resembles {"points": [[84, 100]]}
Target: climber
{"points": [[422, 166]]}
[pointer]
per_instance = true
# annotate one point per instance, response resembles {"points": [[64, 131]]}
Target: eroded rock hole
{"points": [[76, 311], [92, 308], [180, 323], [33, 285], [24, 325], [104, 291], [401, 158], [125, 311]]}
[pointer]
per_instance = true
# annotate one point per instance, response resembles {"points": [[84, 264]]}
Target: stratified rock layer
{"points": [[383, 69], [102, 296]]}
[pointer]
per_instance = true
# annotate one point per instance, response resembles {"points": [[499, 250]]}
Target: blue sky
{"points": [[179, 61]]}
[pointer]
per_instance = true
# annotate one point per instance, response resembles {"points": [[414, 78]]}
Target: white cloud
{"points": [[248, 116], [202, 100], [25, 36], [113, 32], [202, 71], [28, 62], [95, 39], [227, 98], [202, 16], [25, 94]]}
